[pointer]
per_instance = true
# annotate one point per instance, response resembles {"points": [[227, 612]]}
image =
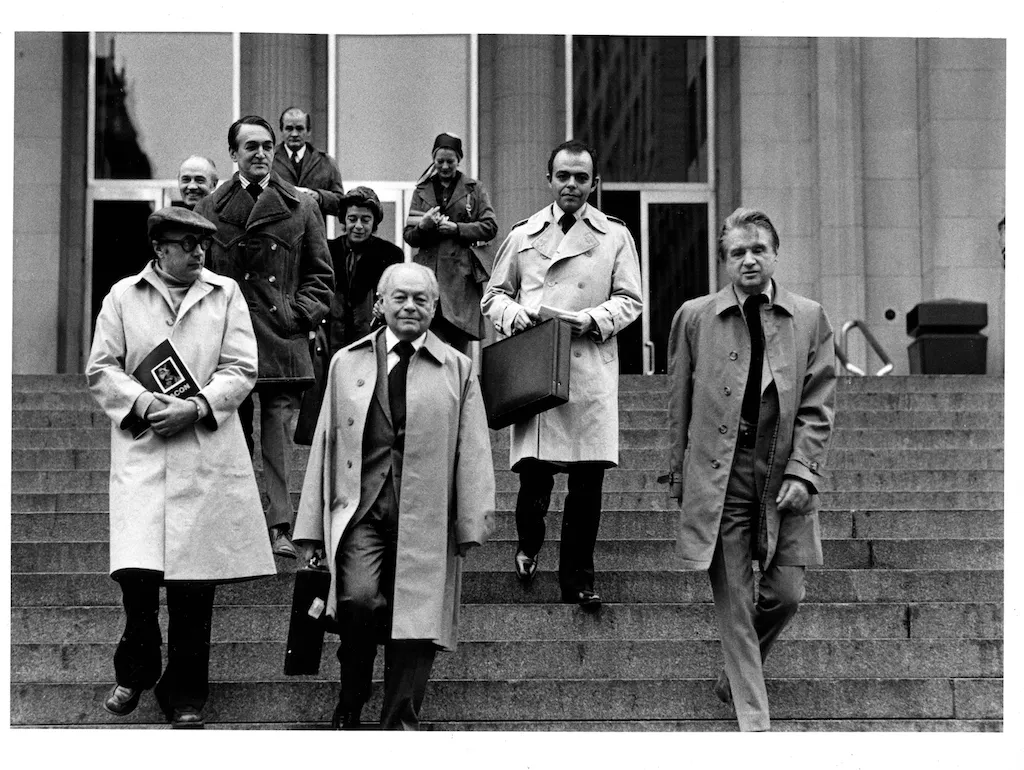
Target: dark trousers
{"points": [[748, 627], [450, 333], [276, 408], [366, 578], [581, 518], [137, 660]]}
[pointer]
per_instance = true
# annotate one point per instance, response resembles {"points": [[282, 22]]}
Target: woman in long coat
{"points": [[450, 222], [185, 511]]}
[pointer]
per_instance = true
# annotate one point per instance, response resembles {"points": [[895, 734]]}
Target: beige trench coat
{"points": [[709, 354], [447, 487], [594, 267], [187, 505]]}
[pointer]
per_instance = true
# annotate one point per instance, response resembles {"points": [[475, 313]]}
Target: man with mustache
{"points": [[270, 238]]}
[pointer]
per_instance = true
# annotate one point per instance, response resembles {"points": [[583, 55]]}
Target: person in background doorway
{"points": [[298, 162], [450, 224]]}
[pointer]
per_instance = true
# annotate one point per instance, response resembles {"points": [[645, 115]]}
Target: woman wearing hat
{"points": [[185, 511], [450, 220], [359, 258]]}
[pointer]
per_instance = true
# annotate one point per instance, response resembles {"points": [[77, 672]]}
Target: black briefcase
{"points": [[527, 373], [308, 620]]}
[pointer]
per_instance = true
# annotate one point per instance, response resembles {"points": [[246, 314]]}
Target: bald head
{"points": [[197, 177]]}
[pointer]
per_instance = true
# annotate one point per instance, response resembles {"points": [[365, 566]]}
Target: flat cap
{"points": [[179, 218]]}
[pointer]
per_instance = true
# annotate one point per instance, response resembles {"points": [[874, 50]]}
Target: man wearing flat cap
{"points": [[184, 507], [312, 171], [359, 258], [270, 238]]}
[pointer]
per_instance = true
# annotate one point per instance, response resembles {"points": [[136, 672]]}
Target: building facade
{"points": [[880, 160]]}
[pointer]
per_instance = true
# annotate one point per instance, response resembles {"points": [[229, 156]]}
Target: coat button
{"points": [[245, 277], [727, 390], [580, 284], [732, 355], [360, 383], [578, 354], [552, 283], [349, 464], [715, 464], [273, 247], [351, 421], [273, 308], [723, 429], [272, 279], [170, 322]]}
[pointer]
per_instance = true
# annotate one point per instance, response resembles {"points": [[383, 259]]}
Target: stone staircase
{"points": [[901, 629]]}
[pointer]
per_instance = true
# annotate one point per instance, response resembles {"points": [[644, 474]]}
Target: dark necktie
{"points": [[566, 222], [350, 265], [752, 393], [296, 164], [396, 388], [254, 190]]}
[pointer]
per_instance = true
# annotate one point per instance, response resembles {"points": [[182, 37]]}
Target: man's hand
{"points": [[315, 194], [794, 495], [447, 227], [169, 415], [524, 320], [430, 219], [580, 323], [307, 549]]}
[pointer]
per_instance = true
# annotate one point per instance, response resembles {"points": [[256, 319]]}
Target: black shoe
{"points": [[122, 700], [187, 718], [587, 598], [281, 544], [526, 567], [723, 691], [344, 719]]}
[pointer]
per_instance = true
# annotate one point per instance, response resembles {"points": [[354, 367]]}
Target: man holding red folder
{"points": [[571, 260]]}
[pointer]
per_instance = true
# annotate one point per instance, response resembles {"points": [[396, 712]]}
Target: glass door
{"points": [[672, 231]]}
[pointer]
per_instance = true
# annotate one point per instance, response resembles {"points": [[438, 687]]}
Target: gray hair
{"points": [[742, 218], [389, 271], [213, 166]]}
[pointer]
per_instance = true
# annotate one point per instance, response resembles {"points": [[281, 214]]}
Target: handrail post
{"points": [[870, 338]]}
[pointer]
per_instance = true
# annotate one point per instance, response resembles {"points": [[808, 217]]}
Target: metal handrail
{"points": [[875, 345]]}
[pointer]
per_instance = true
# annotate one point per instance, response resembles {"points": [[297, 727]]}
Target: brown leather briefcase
{"points": [[527, 373]]}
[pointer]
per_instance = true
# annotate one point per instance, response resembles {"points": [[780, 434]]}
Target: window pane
{"points": [[641, 103], [120, 245], [159, 98]]}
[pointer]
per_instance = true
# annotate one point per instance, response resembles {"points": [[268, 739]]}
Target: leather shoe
{"points": [[344, 719], [281, 544], [187, 718], [587, 598], [526, 567], [723, 691], [122, 700]]}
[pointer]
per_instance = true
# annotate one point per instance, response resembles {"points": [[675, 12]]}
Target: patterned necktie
{"points": [[396, 386], [254, 190], [566, 222], [751, 407]]}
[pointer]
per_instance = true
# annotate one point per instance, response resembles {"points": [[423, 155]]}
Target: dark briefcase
{"points": [[527, 373], [308, 621]]}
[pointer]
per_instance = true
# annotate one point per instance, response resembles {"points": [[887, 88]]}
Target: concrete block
{"points": [[967, 144], [891, 153], [978, 698], [956, 620]]}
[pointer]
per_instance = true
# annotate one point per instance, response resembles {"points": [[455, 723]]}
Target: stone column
{"points": [[277, 71]]}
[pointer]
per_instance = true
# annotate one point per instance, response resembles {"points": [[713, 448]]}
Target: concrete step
{"points": [[649, 554], [847, 399], [562, 622], [71, 502], [616, 480], [917, 439], [55, 589], [98, 458], [835, 525], [554, 660], [592, 699]]}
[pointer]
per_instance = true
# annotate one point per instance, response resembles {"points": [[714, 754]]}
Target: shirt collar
{"points": [[264, 182], [301, 152], [557, 212], [769, 292], [391, 339]]}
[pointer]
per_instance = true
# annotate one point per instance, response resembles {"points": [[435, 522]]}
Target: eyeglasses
{"points": [[189, 242]]}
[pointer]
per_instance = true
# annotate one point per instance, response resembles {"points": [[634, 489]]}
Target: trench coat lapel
{"points": [[579, 240], [380, 391], [237, 207]]}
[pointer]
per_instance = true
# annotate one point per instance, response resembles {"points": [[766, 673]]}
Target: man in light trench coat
{"points": [[751, 409], [583, 263], [399, 485]]}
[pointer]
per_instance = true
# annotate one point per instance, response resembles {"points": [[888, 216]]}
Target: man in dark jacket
{"points": [[359, 258], [312, 171], [271, 240]]}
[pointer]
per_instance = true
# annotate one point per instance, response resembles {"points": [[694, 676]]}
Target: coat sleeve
{"points": [[330, 196], [316, 279], [114, 389], [499, 300], [237, 366], [680, 373], [484, 225], [474, 469], [815, 416], [624, 302], [412, 233], [315, 499]]}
